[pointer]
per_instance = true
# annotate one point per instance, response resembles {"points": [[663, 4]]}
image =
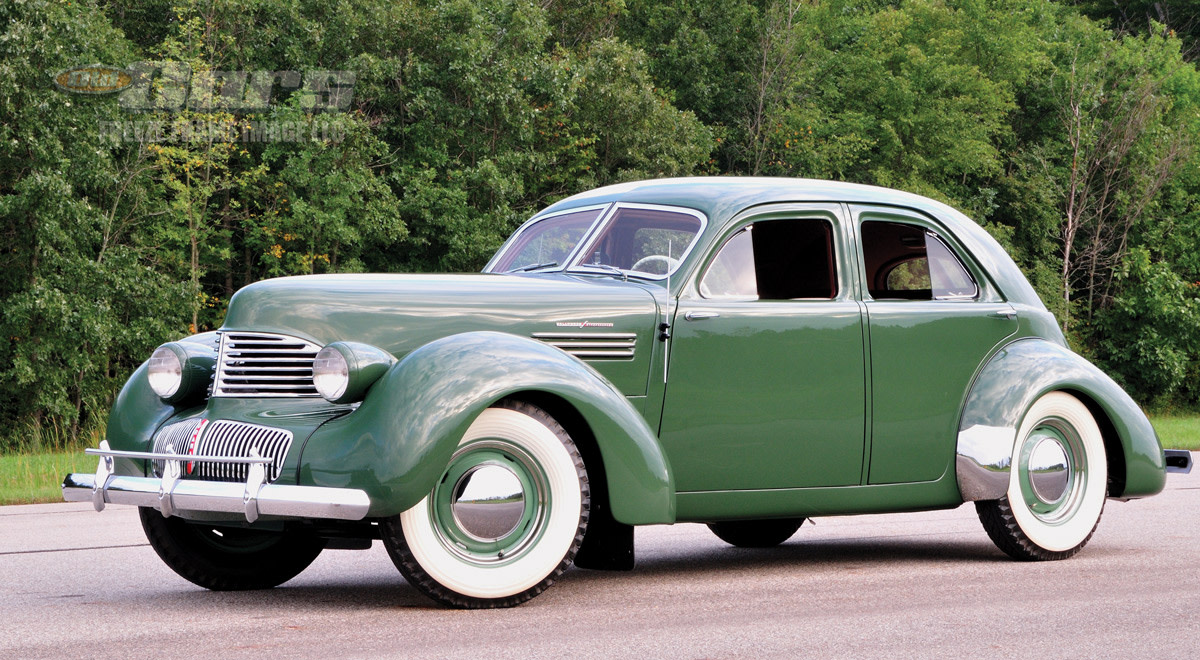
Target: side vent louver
{"points": [[592, 345]]}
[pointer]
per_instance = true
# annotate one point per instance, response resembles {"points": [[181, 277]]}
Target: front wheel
{"points": [[1058, 480], [229, 558], [506, 518]]}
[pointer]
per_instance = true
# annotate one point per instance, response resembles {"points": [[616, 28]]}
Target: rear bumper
{"points": [[175, 496], [1178, 460]]}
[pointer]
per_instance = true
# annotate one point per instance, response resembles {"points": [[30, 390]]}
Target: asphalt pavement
{"points": [[79, 584]]}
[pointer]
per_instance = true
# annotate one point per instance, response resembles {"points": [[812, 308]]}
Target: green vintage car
{"points": [[744, 353]]}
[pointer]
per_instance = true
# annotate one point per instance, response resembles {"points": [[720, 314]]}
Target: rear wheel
{"points": [[506, 518], [229, 558], [756, 533], [1058, 481]]}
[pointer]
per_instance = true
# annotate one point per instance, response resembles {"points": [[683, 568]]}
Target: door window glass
{"points": [[910, 263], [775, 260]]}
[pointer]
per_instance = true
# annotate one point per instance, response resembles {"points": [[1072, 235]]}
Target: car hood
{"points": [[400, 313]]}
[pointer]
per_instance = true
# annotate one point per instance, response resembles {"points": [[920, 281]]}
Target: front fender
{"points": [[396, 445], [138, 411], [1009, 384]]}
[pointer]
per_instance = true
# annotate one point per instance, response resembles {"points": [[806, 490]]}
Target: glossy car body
{"points": [[881, 356]]}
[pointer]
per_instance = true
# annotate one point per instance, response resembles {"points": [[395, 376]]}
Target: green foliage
{"points": [[76, 275], [1149, 338], [1167, 17], [1068, 135]]}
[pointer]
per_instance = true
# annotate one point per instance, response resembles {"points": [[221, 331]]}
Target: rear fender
{"points": [[1009, 384], [397, 443]]}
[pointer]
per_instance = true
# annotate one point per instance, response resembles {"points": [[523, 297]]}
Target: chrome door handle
{"points": [[700, 316], [1006, 314]]}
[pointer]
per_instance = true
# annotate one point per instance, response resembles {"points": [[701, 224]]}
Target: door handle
{"points": [[1006, 314], [700, 316]]}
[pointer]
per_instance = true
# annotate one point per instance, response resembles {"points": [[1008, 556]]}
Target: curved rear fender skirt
{"points": [[1009, 384], [397, 443]]}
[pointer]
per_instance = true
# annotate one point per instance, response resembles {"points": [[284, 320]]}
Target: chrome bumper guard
{"points": [[1178, 460], [172, 494]]}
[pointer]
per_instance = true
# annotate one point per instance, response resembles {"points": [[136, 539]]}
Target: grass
{"points": [[37, 477], [32, 478], [1178, 431]]}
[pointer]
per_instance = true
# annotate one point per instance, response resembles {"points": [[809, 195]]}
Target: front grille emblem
{"points": [[194, 442]]}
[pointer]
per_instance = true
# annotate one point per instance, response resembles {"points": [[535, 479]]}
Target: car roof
{"points": [[723, 197]]}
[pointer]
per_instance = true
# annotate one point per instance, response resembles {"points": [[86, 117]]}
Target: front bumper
{"points": [[175, 496]]}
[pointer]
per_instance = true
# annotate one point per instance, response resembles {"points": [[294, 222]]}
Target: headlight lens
{"points": [[344, 370], [331, 373], [179, 372], [165, 372]]}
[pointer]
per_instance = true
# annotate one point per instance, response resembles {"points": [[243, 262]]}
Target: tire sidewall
{"points": [[1069, 533], [556, 538]]}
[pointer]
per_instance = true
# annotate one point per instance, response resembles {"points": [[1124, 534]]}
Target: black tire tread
{"points": [[402, 557], [1006, 533], [179, 545]]}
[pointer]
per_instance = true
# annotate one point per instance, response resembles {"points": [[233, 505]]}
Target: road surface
{"points": [[79, 584]]}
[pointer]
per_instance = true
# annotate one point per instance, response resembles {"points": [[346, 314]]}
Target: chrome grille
{"points": [[175, 437], [259, 364], [235, 439], [592, 345], [227, 439]]}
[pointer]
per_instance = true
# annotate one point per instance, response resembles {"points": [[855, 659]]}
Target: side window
{"points": [[910, 263], [774, 260]]}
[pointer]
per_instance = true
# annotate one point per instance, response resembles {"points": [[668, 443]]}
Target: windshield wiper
{"points": [[603, 268], [526, 269]]}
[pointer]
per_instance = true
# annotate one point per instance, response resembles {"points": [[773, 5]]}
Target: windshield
{"points": [[643, 240], [636, 240], [547, 242]]}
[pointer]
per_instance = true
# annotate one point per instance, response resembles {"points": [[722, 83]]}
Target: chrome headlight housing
{"points": [[179, 371], [343, 370]]}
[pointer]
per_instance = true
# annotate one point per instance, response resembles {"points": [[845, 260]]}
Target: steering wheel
{"points": [[653, 258]]}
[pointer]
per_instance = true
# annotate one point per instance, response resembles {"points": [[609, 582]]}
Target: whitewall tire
{"points": [[1058, 481], [505, 519]]}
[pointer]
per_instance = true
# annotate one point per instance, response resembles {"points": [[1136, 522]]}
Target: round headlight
{"points": [[331, 373], [344, 370], [179, 371], [165, 372]]}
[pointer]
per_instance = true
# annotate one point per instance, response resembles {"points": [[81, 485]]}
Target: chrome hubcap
{"points": [[1051, 471], [1048, 473], [489, 502]]}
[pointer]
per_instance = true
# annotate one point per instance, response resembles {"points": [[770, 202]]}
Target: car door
{"points": [[932, 320], [766, 383]]}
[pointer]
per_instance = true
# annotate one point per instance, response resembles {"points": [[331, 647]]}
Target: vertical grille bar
{"points": [[174, 437]]}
